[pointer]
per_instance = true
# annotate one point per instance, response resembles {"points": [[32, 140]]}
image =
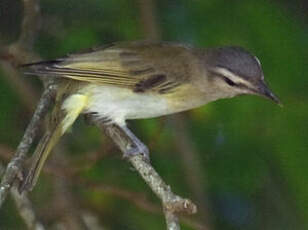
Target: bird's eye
{"points": [[229, 82]]}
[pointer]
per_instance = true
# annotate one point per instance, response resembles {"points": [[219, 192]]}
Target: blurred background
{"points": [[243, 161]]}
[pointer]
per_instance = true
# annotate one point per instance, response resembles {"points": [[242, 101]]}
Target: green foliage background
{"points": [[254, 154]]}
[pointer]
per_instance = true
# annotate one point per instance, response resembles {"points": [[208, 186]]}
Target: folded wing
{"points": [[120, 65]]}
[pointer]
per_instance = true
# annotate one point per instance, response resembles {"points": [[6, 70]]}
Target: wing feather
{"points": [[125, 65]]}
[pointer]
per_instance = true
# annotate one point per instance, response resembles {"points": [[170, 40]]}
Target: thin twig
{"points": [[25, 209], [192, 167], [14, 167], [91, 221], [25, 91], [67, 206], [172, 220], [19, 51], [140, 201], [30, 23], [152, 31], [149, 20], [185, 146], [172, 203], [70, 174]]}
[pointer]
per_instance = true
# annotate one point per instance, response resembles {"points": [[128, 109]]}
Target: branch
{"points": [[139, 200], [148, 19], [91, 221], [67, 207], [185, 146], [192, 167], [152, 31], [21, 50], [71, 174], [14, 167], [30, 23], [171, 202], [25, 209], [25, 91], [15, 53]]}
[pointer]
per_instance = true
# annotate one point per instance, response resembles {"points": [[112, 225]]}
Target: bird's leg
{"points": [[132, 146], [137, 146]]}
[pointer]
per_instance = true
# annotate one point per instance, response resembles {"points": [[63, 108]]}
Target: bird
{"points": [[138, 80]]}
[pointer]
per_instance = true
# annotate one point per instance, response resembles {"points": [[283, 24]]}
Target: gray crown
{"points": [[238, 61]]}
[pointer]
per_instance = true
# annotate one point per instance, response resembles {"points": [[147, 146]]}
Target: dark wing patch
{"points": [[168, 86], [158, 83], [149, 83]]}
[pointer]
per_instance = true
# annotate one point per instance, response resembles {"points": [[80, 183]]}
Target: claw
{"points": [[28, 182], [139, 149]]}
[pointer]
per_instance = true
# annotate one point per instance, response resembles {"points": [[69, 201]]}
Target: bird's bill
{"points": [[264, 91]]}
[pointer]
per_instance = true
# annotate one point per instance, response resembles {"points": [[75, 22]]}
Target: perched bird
{"points": [[135, 80]]}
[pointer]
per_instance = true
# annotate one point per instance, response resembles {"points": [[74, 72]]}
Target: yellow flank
{"points": [[73, 106]]}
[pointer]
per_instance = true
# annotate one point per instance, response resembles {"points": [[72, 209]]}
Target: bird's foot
{"points": [[27, 182], [138, 149]]}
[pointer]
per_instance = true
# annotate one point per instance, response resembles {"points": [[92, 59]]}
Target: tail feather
{"points": [[40, 155], [73, 105], [42, 67]]}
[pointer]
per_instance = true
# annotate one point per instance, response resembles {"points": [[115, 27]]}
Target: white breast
{"points": [[119, 104]]}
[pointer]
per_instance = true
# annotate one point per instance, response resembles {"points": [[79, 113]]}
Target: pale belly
{"points": [[119, 104]]}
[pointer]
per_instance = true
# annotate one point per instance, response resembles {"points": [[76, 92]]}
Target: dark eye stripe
{"points": [[229, 82], [226, 79]]}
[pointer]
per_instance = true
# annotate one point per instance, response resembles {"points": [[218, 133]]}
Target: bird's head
{"points": [[234, 71]]}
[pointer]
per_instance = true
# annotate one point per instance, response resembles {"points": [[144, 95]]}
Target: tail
{"points": [[73, 105], [40, 155], [39, 68]]}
